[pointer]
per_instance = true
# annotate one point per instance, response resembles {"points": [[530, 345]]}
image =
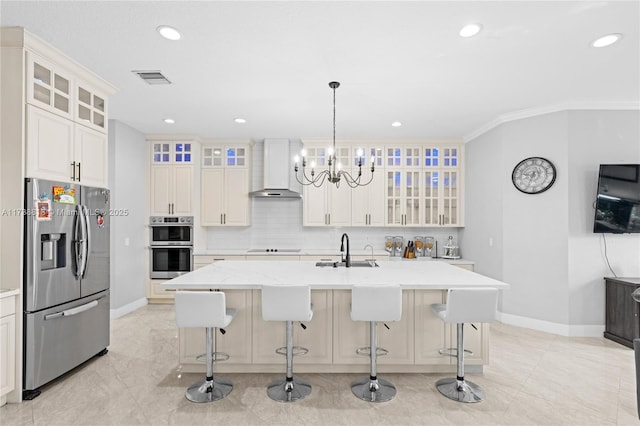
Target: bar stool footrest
{"points": [[297, 350], [366, 351], [453, 352], [217, 356]]}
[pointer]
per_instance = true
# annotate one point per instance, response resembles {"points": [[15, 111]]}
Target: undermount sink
{"points": [[354, 264]]}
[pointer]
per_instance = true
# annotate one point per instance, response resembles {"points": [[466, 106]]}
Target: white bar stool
{"points": [[375, 303], [465, 305], [206, 309], [288, 303]]}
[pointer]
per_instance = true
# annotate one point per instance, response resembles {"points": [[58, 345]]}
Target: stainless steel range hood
{"points": [[277, 169]]}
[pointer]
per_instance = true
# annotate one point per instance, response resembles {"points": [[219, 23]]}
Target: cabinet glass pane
{"points": [[187, 157], [394, 156], [431, 157], [165, 158], [84, 113], [98, 119], [430, 198], [412, 157], [178, 158], [98, 103], [394, 192], [178, 147], [42, 94], [60, 102], [61, 84], [41, 74], [450, 157], [84, 96], [231, 157], [412, 197]]}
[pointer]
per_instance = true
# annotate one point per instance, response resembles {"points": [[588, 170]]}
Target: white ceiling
{"points": [[271, 62]]}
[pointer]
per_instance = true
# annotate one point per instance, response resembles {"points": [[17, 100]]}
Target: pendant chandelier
{"points": [[334, 173]]}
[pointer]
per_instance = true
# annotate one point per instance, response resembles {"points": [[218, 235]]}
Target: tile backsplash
{"points": [[278, 224]]}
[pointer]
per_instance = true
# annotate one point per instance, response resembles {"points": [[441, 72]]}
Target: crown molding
{"points": [[533, 112]]}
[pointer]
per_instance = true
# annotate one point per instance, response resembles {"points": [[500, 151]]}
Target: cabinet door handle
{"points": [[225, 218], [73, 171], [79, 175]]}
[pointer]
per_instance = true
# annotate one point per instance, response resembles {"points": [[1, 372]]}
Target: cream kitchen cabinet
{"points": [[49, 86], [91, 156], [368, 202], [172, 152], [225, 185], [7, 346], [91, 107], [59, 149], [442, 179], [424, 185], [172, 175], [49, 146], [171, 190], [326, 205]]}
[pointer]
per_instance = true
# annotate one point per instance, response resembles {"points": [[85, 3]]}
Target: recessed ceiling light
{"points": [[240, 120], [396, 124], [169, 33], [470, 30], [169, 120], [607, 40]]}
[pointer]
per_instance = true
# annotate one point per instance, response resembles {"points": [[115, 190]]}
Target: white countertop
{"points": [[253, 274], [302, 252]]}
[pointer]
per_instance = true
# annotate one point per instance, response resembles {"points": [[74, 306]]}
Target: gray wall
{"points": [[543, 244], [128, 183]]}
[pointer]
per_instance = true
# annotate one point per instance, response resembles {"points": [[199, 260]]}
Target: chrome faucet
{"points": [[347, 260]]}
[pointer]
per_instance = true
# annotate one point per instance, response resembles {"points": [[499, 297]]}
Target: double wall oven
{"points": [[171, 246]]}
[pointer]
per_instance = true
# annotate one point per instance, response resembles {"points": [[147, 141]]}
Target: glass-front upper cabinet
{"points": [[166, 152], [48, 87], [91, 107], [441, 186], [225, 156]]}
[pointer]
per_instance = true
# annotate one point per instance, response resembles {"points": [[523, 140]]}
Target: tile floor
{"points": [[534, 379]]}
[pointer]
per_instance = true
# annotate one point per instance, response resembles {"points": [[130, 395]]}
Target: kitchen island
{"points": [[413, 342]]}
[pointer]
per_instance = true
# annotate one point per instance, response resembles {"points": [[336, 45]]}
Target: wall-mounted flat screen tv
{"points": [[618, 199]]}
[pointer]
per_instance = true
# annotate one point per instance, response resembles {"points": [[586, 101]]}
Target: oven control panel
{"points": [[159, 220]]}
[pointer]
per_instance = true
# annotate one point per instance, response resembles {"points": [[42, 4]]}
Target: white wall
{"points": [[545, 247], [128, 184], [597, 137]]}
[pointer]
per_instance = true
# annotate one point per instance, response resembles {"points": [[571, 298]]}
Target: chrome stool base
{"points": [[209, 390], [460, 390], [284, 390], [378, 390]]}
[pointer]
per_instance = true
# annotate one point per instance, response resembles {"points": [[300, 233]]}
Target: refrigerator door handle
{"points": [[74, 311], [87, 240], [80, 241]]}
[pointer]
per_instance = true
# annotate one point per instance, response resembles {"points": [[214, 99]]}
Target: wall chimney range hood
{"points": [[277, 168]]}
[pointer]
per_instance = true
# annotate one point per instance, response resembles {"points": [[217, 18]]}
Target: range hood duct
{"points": [[277, 168]]}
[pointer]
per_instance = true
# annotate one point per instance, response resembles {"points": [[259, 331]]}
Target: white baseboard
{"points": [[552, 327], [128, 308]]}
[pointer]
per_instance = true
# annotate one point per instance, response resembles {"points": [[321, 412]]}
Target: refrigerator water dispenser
{"points": [[52, 251]]}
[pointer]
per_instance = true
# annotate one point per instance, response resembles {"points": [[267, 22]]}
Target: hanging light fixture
{"points": [[334, 174]]}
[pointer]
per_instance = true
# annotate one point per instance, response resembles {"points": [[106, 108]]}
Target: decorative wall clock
{"points": [[533, 175]]}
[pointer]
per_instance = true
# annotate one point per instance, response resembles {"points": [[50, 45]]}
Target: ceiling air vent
{"points": [[152, 77]]}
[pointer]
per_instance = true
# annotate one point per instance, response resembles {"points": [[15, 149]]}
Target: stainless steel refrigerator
{"points": [[66, 279]]}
